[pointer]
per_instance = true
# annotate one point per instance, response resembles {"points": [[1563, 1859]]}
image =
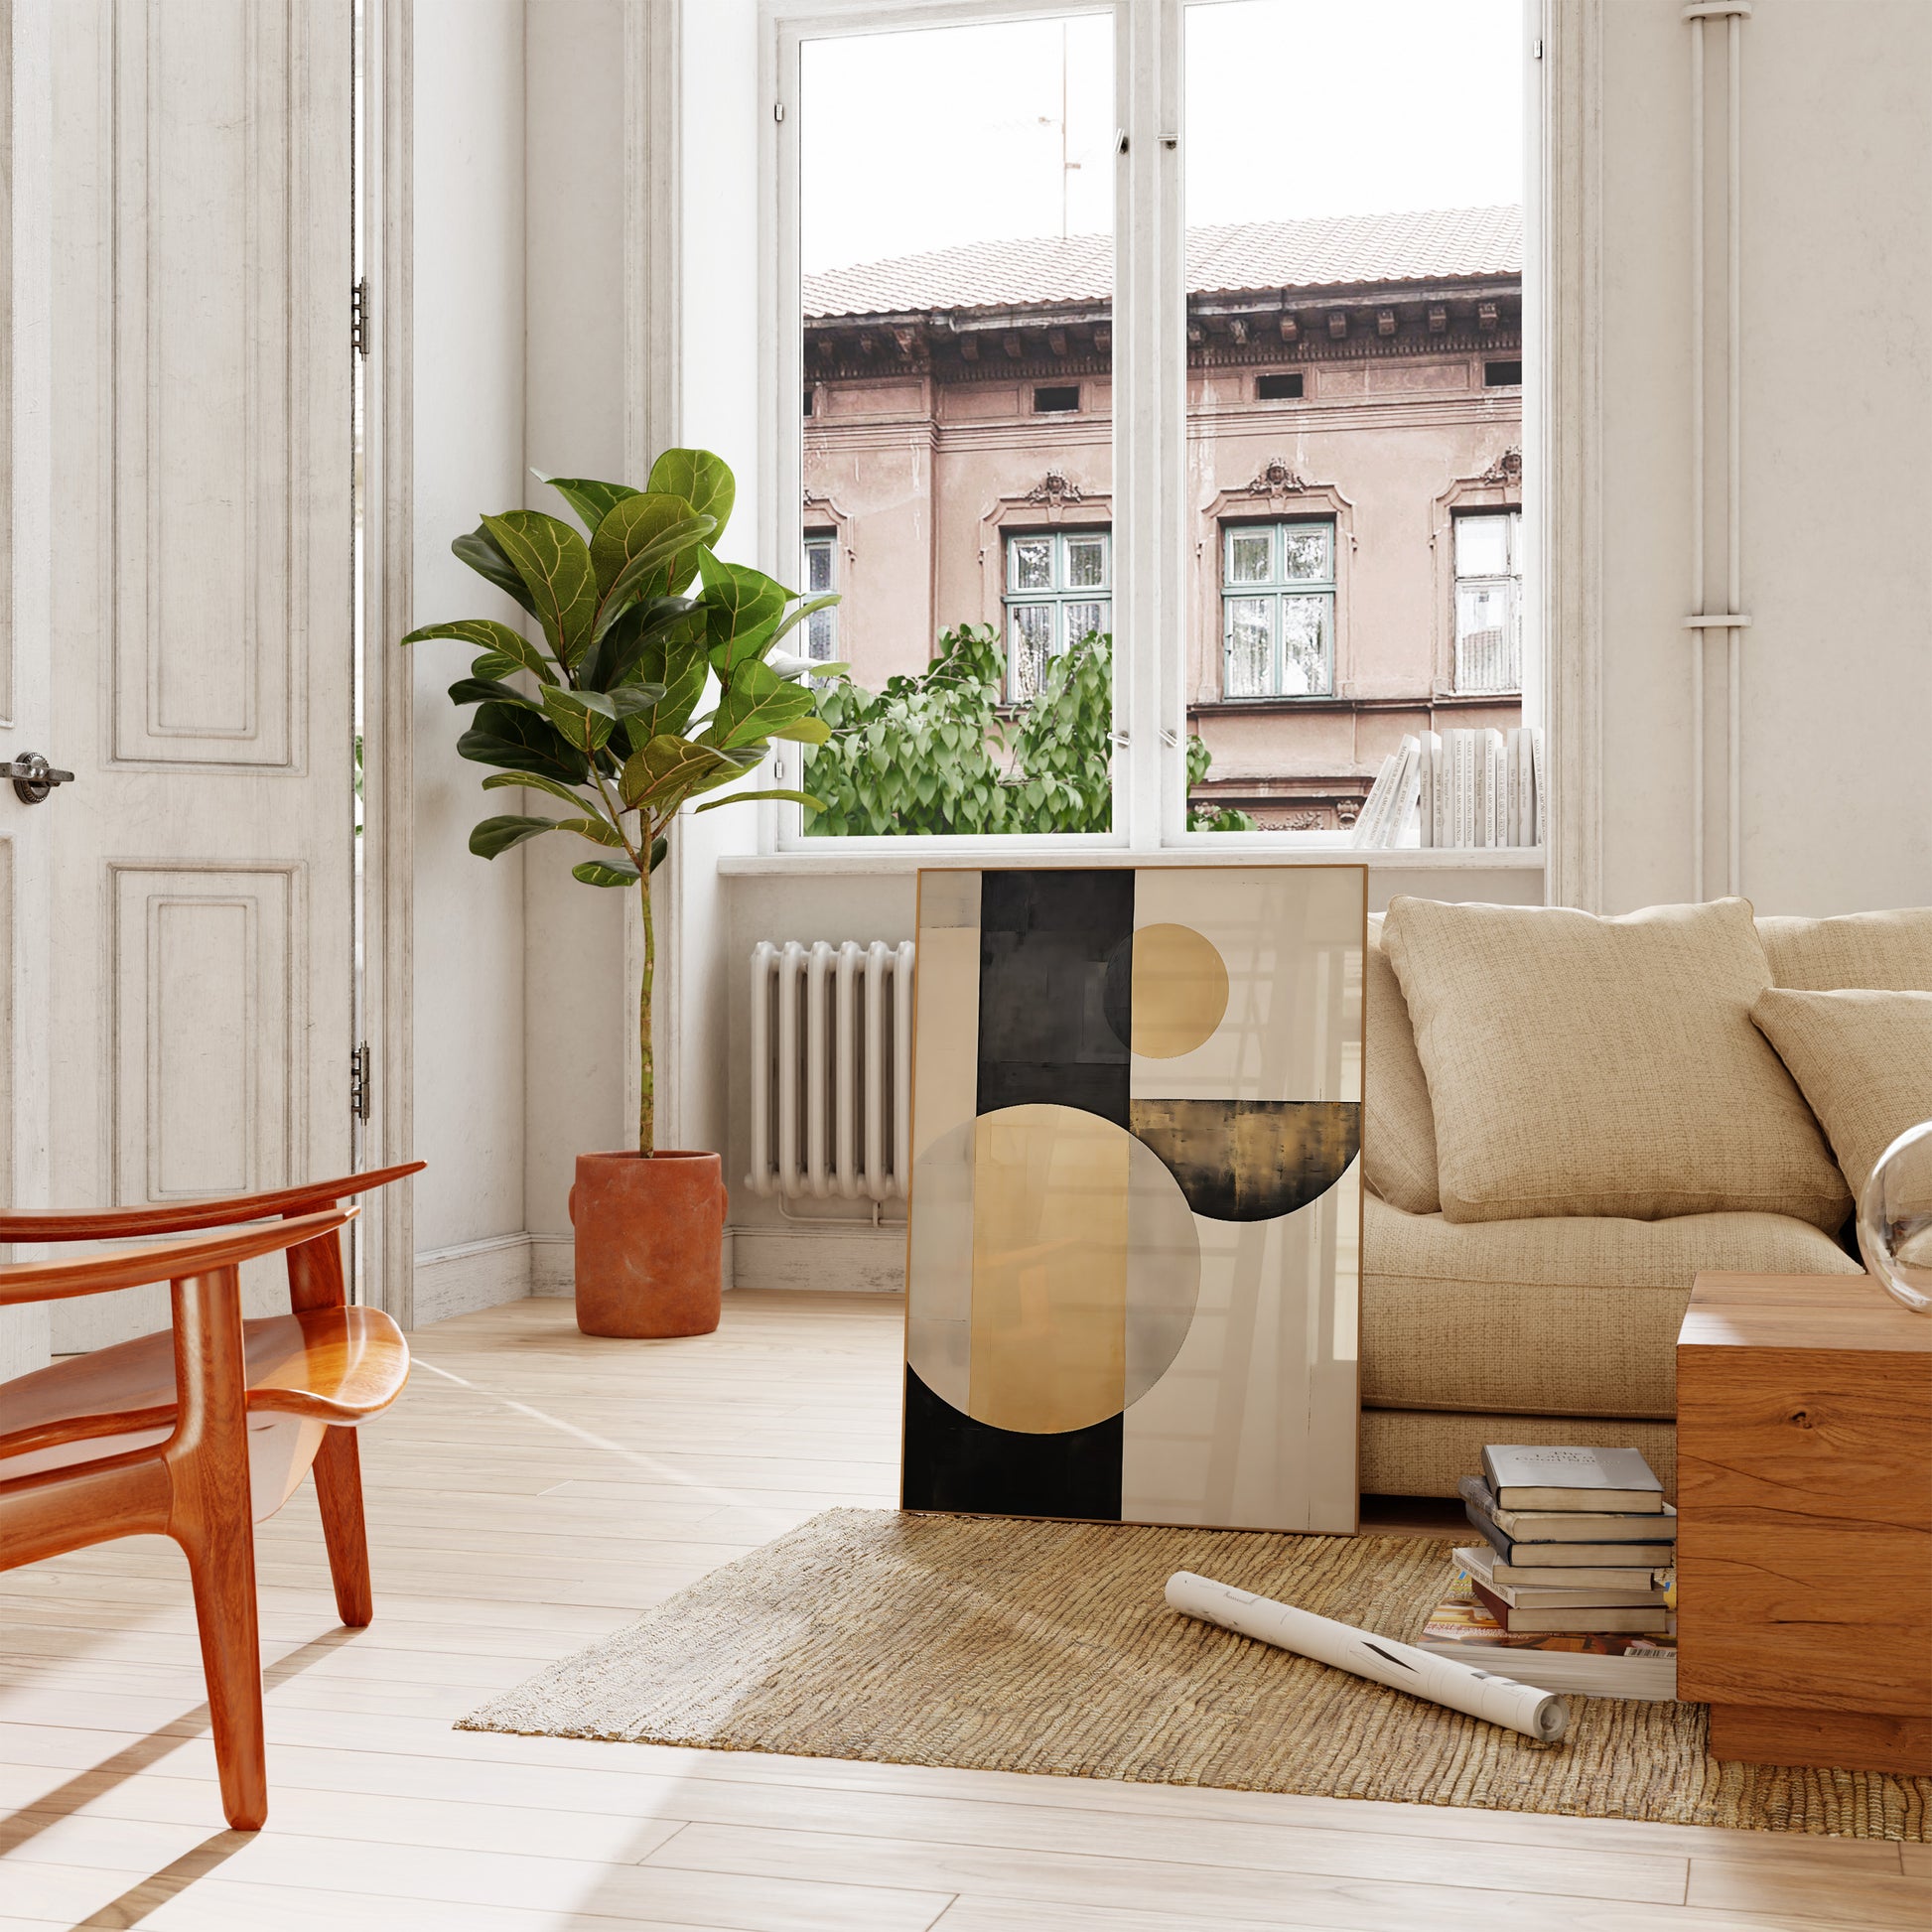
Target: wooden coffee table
{"points": [[1804, 1538]]}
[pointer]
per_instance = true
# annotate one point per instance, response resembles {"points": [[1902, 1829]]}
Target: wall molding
{"points": [[474, 1275], [386, 1231], [842, 1260]]}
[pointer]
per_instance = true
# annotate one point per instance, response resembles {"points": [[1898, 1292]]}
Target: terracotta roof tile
{"points": [[1429, 244]]}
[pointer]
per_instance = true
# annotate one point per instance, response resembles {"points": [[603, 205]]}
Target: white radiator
{"points": [[831, 1069]]}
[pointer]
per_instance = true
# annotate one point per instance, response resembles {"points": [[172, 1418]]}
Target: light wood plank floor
{"points": [[531, 1492]]}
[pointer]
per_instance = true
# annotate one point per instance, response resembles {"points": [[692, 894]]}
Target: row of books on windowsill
{"points": [[1574, 1574], [1456, 788]]}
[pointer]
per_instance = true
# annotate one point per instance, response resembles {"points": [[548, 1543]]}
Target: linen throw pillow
{"points": [[1856, 949], [1864, 1062], [1585, 1065], [1397, 1129]]}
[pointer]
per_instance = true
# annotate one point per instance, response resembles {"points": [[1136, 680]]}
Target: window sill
{"points": [[860, 859]]}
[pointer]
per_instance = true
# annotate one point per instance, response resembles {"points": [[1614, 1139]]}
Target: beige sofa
{"points": [[1559, 1328]]}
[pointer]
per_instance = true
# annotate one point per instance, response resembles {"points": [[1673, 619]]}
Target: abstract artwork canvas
{"points": [[1134, 1259]]}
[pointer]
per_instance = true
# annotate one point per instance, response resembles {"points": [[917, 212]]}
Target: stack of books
{"points": [[1458, 788], [1575, 1575]]}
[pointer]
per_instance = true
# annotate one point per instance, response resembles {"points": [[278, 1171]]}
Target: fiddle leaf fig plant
{"points": [[642, 627]]}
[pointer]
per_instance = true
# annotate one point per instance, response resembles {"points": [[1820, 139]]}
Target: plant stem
{"points": [[646, 1064]]}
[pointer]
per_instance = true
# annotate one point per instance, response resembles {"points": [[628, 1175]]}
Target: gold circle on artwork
{"points": [[1082, 1275], [1180, 991]]}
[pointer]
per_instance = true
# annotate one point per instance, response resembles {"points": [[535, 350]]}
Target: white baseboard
{"points": [[475, 1274], [861, 1260], [553, 1264]]}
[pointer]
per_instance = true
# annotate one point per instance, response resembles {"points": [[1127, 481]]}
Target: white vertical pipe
{"points": [[817, 1064], [1697, 653], [763, 957], [902, 967], [878, 957], [791, 964], [846, 1049], [1733, 477]]}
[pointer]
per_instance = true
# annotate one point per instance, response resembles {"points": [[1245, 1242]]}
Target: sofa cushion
{"points": [[1864, 1060], [1562, 1317], [1585, 1065], [1879, 949], [1423, 1452], [1397, 1129]]}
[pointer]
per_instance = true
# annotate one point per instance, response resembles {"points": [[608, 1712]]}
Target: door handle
{"points": [[33, 777]]}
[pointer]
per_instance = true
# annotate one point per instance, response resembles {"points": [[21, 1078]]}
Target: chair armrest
{"points": [[182, 1217], [58, 1280]]}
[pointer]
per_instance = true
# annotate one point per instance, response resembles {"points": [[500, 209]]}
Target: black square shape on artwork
{"points": [[971, 1468], [1046, 1032]]}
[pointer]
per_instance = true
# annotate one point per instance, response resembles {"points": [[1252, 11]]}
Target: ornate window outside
{"points": [[1058, 590], [1278, 609], [821, 574], [1489, 601]]}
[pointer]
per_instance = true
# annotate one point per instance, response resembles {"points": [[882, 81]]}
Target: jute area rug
{"points": [[1045, 1647]]}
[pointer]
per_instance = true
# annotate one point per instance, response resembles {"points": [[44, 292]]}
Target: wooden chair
{"points": [[198, 1432]]}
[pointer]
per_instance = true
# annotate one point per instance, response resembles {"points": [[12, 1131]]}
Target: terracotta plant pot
{"points": [[650, 1242]]}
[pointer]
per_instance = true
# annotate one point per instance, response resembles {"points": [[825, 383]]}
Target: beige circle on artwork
{"points": [[1180, 991], [1084, 1270]]}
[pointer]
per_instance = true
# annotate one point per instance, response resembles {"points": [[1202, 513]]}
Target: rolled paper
{"points": [[1382, 1660]]}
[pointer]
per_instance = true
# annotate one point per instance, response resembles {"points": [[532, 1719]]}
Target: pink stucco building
{"points": [[1354, 479]]}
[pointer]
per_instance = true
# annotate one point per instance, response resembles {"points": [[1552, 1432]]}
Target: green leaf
{"points": [[659, 846], [496, 835], [798, 617], [615, 660], [633, 527], [600, 831], [704, 481], [607, 872], [479, 549], [591, 501], [746, 797], [668, 770], [554, 563], [496, 638], [754, 705], [522, 741], [804, 730], [586, 718], [487, 690], [742, 609], [536, 781], [649, 571]]}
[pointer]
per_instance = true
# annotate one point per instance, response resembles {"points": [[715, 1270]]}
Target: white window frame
{"points": [[1276, 587], [1151, 549], [1059, 596]]}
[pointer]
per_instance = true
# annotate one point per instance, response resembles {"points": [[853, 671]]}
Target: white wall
{"points": [[469, 285], [1835, 427], [574, 403]]}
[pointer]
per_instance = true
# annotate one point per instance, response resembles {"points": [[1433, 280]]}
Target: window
{"points": [[987, 413], [1278, 609], [807, 410], [1057, 593], [821, 574], [1489, 601]]}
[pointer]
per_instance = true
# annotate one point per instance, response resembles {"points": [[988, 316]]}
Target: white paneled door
{"points": [[199, 1009]]}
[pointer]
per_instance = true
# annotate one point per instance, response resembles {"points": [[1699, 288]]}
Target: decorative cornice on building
{"points": [[1507, 473], [1055, 488]]}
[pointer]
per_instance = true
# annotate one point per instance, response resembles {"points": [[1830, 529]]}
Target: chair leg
{"points": [[339, 1489], [221, 1566]]}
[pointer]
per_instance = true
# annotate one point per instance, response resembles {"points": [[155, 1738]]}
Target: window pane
{"points": [[1251, 647], [1489, 653], [956, 247], [1482, 546], [818, 567], [1031, 644], [1250, 556], [1307, 553], [1304, 645], [821, 637], [1384, 275], [1086, 562]]}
